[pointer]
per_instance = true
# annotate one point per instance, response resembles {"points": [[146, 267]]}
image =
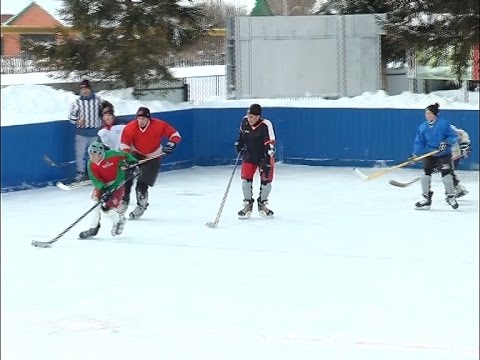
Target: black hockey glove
{"points": [[442, 146], [106, 196], [270, 151], [239, 147], [134, 168], [265, 166], [136, 171], [169, 147], [465, 149]]}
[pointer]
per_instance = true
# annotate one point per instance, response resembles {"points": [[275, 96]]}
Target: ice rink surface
{"points": [[347, 269]]}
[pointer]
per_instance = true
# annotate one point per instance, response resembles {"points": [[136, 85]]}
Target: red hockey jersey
{"points": [[147, 141]]}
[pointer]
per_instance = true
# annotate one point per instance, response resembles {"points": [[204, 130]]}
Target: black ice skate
{"points": [[263, 210], [424, 204], [450, 199], [117, 228], [89, 233], [247, 209]]}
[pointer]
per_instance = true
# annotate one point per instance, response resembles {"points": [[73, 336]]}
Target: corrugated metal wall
{"points": [[339, 137]]}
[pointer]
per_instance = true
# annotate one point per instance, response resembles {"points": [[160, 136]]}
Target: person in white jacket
{"points": [[110, 133]]}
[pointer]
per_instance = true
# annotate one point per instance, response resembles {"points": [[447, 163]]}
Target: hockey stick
{"points": [[78, 184], [55, 164], [148, 159], [214, 224], [75, 185], [398, 166], [403, 184], [47, 244]]}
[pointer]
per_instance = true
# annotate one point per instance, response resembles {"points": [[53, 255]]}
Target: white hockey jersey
{"points": [[111, 137], [463, 137]]}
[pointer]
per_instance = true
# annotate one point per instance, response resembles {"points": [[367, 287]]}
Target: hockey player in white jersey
{"points": [[110, 133], [461, 150]]}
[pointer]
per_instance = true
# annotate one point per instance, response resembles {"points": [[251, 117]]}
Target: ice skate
{"points": [[137, 212], [425, 202], [89, 233], [460, 191], [81, 176], [247, 209], [117, 228], [452, 201], [142, 204], [263, 210]]}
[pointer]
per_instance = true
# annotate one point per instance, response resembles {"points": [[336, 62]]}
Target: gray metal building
{"points": [[303, 56]]}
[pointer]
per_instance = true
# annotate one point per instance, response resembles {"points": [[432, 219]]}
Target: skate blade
{"points": [[246, 216], [264, 214], [461, 194], [422, 208]]}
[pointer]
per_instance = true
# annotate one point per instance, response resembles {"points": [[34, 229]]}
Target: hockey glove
{"points": [[106, 196], [412, 159], [270, 151], [465, 149], [239, 147], [136, 171], [265, 167], [442, 146], [134, 168], [169, 147]]}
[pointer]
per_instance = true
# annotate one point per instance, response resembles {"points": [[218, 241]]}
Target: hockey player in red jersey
{"points": [[106, 169], [256, 142], [143, 138]]}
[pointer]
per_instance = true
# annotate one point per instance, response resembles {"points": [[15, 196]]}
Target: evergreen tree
{"points": [[445, 31], [123, 40]]}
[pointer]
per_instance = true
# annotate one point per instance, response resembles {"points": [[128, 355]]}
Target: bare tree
{"points": [[292, 7], [211, 49]]}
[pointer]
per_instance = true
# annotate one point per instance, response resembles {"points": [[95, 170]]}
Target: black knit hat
{"points": [[85, 84], [434, 109], [143, 111], [255, 109]]}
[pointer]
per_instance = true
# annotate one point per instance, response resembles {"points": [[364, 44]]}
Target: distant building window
{"points": [[44, 38]]}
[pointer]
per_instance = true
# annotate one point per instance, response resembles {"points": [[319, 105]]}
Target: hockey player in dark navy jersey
{"points": [[256, 143]]}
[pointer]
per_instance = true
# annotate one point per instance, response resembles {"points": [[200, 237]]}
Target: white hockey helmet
{"points": [[96, 148]]}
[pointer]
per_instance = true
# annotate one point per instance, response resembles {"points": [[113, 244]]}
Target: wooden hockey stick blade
{"points": [[403, 164], [359, 173], [403, 184]]}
